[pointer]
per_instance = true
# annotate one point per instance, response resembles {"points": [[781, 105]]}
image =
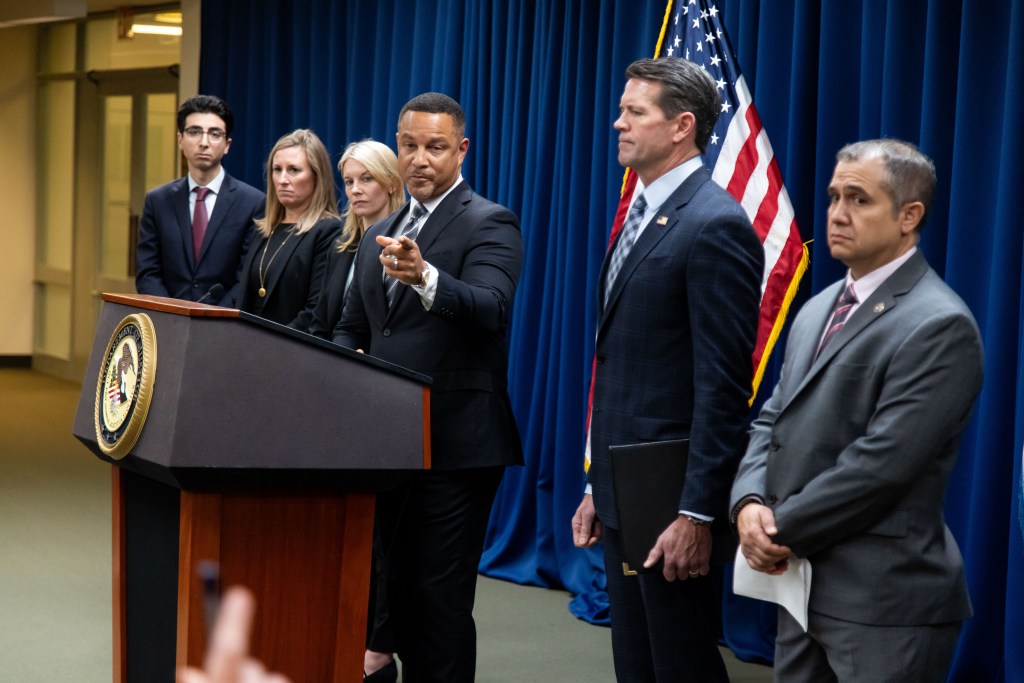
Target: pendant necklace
{"points": [[263, 273]]}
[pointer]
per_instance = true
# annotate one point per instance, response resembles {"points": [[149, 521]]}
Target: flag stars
{"points": [[669, 51], [678, 40], [713, 11], [726, 106], [709, 37], [703, 14], [696, 23], [714, 138], [716, 60], [700, 47], [720, 83]]}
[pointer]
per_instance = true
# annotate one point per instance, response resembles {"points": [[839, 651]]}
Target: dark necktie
{"points": [[626, 241], [411, 230], [844, 304], [199, 220]]}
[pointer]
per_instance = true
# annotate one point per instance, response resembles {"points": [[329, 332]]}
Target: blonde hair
{"points": [[382, 165], [324, 202]]}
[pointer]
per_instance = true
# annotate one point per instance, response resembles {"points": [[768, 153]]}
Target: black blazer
{"points": [[332, 291], [293, 278], [165, 262], [477, 248], [674, 346]]}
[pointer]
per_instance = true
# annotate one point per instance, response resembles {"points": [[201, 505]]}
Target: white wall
{"points": [[18, 50]]}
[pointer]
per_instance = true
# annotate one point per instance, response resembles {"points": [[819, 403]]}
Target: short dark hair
{"points": [[685, 87], [437, 103], [909, 175], [206, 104]]}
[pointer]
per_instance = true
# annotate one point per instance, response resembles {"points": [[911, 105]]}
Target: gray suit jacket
{"points": [[854, 450]]}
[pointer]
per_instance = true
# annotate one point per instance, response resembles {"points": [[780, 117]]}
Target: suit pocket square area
{"points": [[647, 479]]}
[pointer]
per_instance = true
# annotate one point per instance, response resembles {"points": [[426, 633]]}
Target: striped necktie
{"points": [[411, 230], [627, 239], [844, 304]]}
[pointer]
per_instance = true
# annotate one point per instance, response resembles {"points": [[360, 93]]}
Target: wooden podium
{"points": [[260, 451]]}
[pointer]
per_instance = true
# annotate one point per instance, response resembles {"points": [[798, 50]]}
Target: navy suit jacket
{"points": [[293, 277], [674, 346], [165, 260], [477, 249], [854, 449]]}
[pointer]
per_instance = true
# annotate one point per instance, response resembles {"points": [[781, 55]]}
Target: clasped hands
{"points": [[756, 526], [401, 259]]}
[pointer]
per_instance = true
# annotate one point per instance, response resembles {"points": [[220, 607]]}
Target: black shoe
{"points": [[386, 674]]}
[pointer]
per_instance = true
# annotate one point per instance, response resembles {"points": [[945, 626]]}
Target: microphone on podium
{"points": [[216, 292]]}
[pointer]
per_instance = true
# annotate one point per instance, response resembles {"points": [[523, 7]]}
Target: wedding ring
{"points": [[694, 573]]}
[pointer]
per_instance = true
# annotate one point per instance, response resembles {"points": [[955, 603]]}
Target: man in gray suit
{"points": [[849, 460]]}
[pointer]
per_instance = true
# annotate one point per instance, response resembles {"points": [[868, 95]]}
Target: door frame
{"points": [[86, 281]]}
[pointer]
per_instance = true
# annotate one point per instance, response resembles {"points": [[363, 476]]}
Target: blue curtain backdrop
{"points": [[540, 82]]}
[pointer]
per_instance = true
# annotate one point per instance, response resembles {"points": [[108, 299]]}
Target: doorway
{"points": [[106, 136]]}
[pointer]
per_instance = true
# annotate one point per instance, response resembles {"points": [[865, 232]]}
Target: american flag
{"points": [[114, 393], [741, 160]]}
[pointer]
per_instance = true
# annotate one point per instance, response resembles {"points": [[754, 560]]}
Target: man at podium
{"points": [[436, 298]]}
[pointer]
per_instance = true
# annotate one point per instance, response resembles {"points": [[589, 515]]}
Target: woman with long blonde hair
{"points": [[369, 172], [285, 265]]}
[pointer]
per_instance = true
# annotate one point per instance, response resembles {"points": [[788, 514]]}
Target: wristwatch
{"points": [[424, 277]]}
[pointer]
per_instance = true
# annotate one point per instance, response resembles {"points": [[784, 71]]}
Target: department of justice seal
{"points": [[125, 385]]}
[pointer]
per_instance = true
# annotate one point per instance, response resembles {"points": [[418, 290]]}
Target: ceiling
{"points": [[18, 12]]}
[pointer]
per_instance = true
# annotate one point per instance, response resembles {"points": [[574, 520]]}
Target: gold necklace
{"points": [[263, 273]]}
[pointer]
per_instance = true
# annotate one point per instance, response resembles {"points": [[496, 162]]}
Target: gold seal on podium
{"points": [[125, 385]]}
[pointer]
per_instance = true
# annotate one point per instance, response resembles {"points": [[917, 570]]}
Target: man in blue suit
{"points": [[195, 230], [678, 305], [849, 461]]}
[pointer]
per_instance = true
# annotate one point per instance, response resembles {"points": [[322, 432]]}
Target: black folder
{"points": [[648, 478]]}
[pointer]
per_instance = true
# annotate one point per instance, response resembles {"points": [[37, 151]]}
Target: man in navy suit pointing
{"points": [[195, 230]]}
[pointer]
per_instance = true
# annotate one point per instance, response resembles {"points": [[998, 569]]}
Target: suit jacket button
{"points": [[600, 360], [387, 332], [772, 499], [775, 444]]}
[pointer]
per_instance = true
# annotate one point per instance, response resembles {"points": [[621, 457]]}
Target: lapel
{"points": [[654, 232], [883, 301], [179, 201], [222, 207], [275, 263], [437, 222]]}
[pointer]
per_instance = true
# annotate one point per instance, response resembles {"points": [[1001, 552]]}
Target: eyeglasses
{"points": [[196, 133]]}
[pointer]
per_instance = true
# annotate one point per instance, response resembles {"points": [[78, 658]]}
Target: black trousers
{"points": [[662, 632], [432, 532]]}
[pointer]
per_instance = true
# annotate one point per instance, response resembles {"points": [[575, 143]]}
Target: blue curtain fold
{"points": [[540, 82]]}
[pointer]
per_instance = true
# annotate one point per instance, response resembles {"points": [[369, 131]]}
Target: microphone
{"points": [[216, 292]]}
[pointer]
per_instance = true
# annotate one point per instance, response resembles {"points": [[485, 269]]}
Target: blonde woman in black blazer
{"points": [[374, 190], [284, 268]]}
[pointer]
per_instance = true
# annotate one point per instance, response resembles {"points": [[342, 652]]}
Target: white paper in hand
{"points": [[791, 589]]}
